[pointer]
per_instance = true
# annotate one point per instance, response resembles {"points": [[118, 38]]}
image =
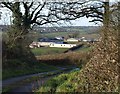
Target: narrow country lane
{"points": [[18, 84]]}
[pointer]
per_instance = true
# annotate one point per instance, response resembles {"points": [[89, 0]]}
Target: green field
{"points": [[64, 34], [85, 48], [55, 34], [47, 50]]}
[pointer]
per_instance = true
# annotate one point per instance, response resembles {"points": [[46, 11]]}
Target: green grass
{"points": [[60, 83], [56, 34], [24, 69], [84, 49], [47, 50]]}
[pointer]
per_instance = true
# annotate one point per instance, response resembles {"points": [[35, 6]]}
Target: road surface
{"points": [[28, 87]]}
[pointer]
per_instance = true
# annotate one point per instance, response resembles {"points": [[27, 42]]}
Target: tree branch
{"points": [[35, 17], [8, 5]]}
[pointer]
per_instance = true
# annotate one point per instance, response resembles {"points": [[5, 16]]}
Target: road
{"points": [[28, 87]]}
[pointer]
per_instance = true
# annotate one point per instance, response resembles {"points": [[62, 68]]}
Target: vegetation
{"points": [[47, 50], [85, 48], [15, 68], [35, 78], [100, 74], [99, 67], [16, 46], [78, 58], [65, 34], [59, 83], [85, 32]]}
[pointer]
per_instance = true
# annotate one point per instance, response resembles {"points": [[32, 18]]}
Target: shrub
{"points": [[53, 83], [70, 58], [62, 83]]}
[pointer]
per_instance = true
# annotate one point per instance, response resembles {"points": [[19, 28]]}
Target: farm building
{"points": [[59, 38], [39, 44], [44, 44], [34, 45], [72, 40], [50, 44], [62, 45]]}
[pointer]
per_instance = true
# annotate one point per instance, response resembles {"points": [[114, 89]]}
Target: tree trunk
{"points": [[17, 37], [106, 18]]}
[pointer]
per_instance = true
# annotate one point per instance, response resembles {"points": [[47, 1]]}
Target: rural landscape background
{"points": [[42, 54]]}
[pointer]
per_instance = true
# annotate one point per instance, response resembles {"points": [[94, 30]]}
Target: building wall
{"points": [[62, 45], [44, 43], [72, 40], [51, 44]]}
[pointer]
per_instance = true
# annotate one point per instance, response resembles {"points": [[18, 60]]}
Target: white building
{"points": [[33, 45], [85, 40], [72, 40], [45, 44], [50, 44], [59, 38], [62, 45], [40, 44]]}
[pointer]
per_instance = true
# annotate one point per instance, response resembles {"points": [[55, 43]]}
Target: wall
{"points": [[62, 45]]}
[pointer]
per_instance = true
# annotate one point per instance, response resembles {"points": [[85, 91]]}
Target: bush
{"points": [[70, 84], [61, 83], [52, 84], [13, 63], [70, 58]]}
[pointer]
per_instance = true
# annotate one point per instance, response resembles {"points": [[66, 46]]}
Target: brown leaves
{"points": [[101, 72]]}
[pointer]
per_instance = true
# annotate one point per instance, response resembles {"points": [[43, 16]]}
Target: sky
{"points": [[83, 21]]}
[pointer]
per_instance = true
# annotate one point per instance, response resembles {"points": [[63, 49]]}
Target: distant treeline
{"points": [[87, 29]]}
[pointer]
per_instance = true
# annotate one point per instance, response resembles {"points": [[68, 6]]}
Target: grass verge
{"points": [[59, 83], [47, 50], [24, 69]]}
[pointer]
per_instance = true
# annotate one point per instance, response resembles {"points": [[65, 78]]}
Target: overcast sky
{"points": [[5, 19], [83, 21]]}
